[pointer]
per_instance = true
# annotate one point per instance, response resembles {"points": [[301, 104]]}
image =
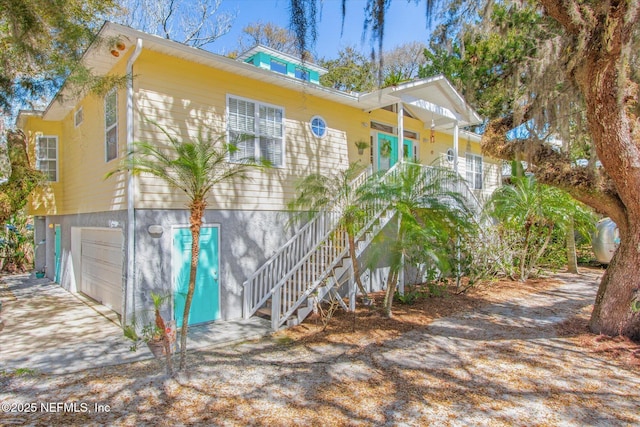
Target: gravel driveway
{"points": [[502, 363]]}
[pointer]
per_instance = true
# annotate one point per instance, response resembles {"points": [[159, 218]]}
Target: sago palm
{"points": [[318, 192], [431, 218], [194, 167], [534, 211]]}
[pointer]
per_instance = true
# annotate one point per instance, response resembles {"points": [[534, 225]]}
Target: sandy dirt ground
{"points": [[505, 353]]}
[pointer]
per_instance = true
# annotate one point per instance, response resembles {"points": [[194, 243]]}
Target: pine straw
{"points": [[385, 372]]}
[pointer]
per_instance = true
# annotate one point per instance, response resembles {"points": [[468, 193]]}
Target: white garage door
{"points": [[102, 266]]}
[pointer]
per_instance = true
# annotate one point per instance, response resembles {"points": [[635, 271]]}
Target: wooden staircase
{"points": [[314, 263]]}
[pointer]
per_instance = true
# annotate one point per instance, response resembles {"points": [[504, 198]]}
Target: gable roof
{"points": [[429, 99]]}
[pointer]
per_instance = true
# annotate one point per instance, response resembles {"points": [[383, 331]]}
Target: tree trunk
{"points": [[620, 285], [391, 290], [525, 250], [533, 262], [611, 99], [355, 265], [197, 211], [572, 260]]}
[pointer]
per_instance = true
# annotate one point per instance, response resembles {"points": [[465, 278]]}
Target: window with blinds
{"points": [[256, 130]]}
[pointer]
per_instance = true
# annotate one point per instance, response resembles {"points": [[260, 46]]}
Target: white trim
{"points": [[107, 129], [131, 192], [455, 147], [471, 172], [326, 128], [400, 107], [256, 125], [47, 158]]}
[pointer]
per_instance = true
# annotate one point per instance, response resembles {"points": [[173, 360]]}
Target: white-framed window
{"points": [[382, 127], [318, 126], [450, 155], [411, 134], [474, 171], [78, 117], [257, 131], [47, 156], [111, 125]]}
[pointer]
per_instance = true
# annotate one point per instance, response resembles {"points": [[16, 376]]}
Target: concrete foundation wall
{"points": [[247, 240]]}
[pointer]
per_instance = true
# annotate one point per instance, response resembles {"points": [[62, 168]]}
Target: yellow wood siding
{"points": [[45, 200], [183, 97], [82, 166]]}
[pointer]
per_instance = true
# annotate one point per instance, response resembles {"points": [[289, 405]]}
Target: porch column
{"points": [[400, 131], [455, 146]]}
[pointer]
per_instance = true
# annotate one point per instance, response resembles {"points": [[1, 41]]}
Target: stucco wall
{"points": [[247, 240]]}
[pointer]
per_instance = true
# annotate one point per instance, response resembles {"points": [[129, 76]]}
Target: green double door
{"points": [[388, 150], [205, 306]]}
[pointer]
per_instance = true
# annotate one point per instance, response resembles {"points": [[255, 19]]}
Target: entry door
{"points": [[387, 151], [408, 152], [205, 305], [57, 253]]}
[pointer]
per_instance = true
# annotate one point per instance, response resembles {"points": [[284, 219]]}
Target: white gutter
{"points": [[131, 187]]}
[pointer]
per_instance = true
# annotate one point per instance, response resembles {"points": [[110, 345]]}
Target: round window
{"points": [[450, 155], [318, 126]]}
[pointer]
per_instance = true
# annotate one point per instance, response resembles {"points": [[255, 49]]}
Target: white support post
{"points": [[455, 146], [400, 132], [275, 310]]}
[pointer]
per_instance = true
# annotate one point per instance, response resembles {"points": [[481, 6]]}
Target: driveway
{"points": [[49, 330], [501, 363]]}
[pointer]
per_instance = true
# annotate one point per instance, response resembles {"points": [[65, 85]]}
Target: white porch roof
{"points": [[432, 100]]}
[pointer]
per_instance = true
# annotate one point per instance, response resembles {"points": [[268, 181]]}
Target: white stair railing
{"points": [[307, 260], [258, 287], [315, 268]]}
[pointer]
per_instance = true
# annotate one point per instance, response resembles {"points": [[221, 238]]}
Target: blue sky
{"points": [[405, 22]]}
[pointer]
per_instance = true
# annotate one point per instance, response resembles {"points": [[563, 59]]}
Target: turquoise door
{"points": [[387, 151], [205, 305], [57, 253], [407, 152]]}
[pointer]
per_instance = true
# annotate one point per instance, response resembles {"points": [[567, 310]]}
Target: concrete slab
{"points": [[48, 329]]}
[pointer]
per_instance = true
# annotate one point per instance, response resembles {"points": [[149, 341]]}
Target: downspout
{"points": [[400, 160], [131, 189]]}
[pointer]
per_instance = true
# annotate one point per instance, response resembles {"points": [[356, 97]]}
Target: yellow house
{"points": [[117, 239]]}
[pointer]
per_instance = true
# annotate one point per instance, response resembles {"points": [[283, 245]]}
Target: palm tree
{"points": [[317, 192], [534, 211], [194, 167], [431, 218]]}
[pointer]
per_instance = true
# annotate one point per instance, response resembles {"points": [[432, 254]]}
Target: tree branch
{"points": [[552, 167]]}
